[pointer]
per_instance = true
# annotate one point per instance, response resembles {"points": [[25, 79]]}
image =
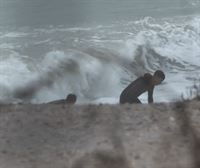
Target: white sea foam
{"points": [[79, 73], [96, 63], [13, 74]]}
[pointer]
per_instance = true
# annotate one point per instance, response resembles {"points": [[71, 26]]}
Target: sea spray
{"points": [[97, 62]]}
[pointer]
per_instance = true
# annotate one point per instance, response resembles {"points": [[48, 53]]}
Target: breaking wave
{"points": [[96, 63]]}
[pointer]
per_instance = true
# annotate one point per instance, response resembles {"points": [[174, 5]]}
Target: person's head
{"points": [[71, 98], [158, 77]]}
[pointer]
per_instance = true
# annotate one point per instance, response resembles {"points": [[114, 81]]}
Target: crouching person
{"points": [[142, 84]]}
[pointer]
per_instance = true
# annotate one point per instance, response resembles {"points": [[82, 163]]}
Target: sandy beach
{"points": [[92, 136]]}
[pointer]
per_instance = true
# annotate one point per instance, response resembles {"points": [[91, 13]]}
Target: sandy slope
{"points": [[103, 136]]}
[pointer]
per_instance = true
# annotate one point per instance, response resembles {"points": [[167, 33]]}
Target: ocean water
{"points": [[95, 48]]}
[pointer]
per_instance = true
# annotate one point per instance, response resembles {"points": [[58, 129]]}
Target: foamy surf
{"points": [[97, 63]]}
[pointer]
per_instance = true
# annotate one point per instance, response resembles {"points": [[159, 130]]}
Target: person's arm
{"points": [[150, 95]]}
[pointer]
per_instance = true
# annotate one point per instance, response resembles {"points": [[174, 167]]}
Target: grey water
{"points": [[17, 13], [95, 48]]}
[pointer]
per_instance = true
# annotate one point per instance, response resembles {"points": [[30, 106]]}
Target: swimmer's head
{"points": [[71, 98], [158, 77]]}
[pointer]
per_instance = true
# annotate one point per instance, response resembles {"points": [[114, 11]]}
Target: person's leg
{"points": [[123, 99], [129, 100], [136, 100]]}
